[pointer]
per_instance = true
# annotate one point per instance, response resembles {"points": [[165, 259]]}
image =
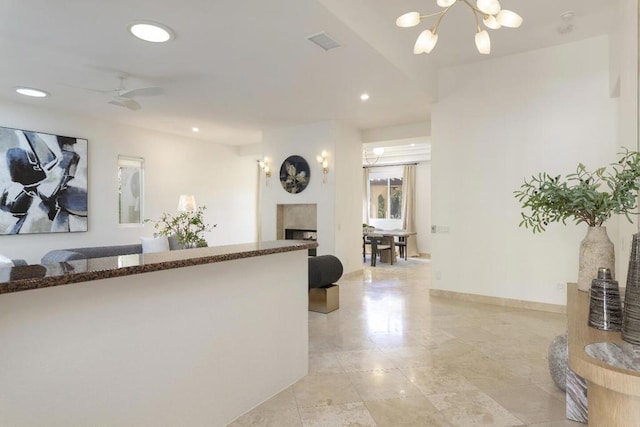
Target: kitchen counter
{"points": [[15, 279], [191, 337]]}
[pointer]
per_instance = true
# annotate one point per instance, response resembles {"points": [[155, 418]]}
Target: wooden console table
{"points": [[613, 393]]}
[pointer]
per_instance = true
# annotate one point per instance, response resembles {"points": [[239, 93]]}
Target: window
{"points": [[385, 193], [130, 189]]}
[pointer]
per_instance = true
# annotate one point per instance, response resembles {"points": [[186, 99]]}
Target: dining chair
{"points": [[365, 241], [379, 244], [402, 246], [401, 243]]}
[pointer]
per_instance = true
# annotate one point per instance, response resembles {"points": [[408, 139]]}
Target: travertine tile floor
{"points": [[393, 356]]}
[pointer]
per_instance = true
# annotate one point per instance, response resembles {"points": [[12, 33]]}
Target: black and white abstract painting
{"points": [[43, 182]]}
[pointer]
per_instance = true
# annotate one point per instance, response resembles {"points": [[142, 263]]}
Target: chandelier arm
{"points": [[366, 159], [430, 15], [475, 14], [444, 12], [475, 9]]}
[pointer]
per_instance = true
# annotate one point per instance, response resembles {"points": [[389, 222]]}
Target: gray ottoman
{"points": [[324, 295]]}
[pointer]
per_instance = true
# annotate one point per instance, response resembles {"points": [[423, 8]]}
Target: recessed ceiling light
{"points": [[29, 91], [195, 129], [364, 97], [151, 31]]}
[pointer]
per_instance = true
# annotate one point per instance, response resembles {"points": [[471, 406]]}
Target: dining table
{"points": [[393, 234]]}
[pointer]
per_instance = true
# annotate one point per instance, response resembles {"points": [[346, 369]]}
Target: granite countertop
{"points": [[15, 279]]}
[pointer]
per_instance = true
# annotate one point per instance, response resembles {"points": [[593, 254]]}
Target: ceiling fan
{"points": [[123, 97]]}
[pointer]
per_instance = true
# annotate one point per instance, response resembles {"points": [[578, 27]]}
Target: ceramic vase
{"points": [[605, 312], [596, 251], [557, 357], [631, 313]]}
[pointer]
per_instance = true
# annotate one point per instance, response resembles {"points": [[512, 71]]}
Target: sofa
{"points": [[73, 254]]}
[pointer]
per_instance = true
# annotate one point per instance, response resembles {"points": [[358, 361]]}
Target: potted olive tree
{"points": [[589, 197]]}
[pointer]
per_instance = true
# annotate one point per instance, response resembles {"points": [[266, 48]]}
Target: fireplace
{"points": [[297, 222], [302, 234]]}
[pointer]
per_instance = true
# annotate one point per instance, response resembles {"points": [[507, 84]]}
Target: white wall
{"points": [[348, 226], [215, 174], [499, 121], [338, 200], [423, 207], [624, 84], [417, 130]]}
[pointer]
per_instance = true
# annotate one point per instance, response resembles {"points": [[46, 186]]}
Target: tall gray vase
{"points": [[631, 313], [596, 251]]}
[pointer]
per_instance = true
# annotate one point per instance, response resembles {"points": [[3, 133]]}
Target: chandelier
{"points": [[492, 15]]}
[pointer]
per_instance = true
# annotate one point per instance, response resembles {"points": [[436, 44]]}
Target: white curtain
{"points": [[408, 207], [365, 201]]}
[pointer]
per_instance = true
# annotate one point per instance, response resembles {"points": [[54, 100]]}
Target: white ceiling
{"points": [[238, 67]]}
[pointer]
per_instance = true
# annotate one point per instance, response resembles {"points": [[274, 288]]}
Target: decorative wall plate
{"points": [[294, 174]]}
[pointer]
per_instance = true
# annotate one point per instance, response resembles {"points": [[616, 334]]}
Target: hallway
{"points": [[392, 356]]}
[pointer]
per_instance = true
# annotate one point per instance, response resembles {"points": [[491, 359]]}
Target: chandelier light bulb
{"points": [[426, 42], [407, 20], [489, 11], [509, 19], [445, 3], [483, 42], [490, 21], [490, 7]]}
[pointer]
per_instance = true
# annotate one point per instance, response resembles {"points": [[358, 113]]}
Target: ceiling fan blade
{"points": [[143, 91], [87, 88], [126, 103]]}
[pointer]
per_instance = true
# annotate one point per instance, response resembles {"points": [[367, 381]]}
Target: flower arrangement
{"points": [[590, 197], [188, 227]]}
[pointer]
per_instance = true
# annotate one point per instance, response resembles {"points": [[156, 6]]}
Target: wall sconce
{"points": [[322, 159], [187, 203], [264, 165]]}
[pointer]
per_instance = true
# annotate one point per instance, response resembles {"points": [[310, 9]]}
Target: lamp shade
{"points": [[445, 3], [410, 19], [426, 42], [490, 21], [187, 203], [490, 7], [483, 42], [509, 19]]}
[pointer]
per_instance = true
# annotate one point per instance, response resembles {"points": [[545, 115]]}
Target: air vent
{"points": [[324, 41]]}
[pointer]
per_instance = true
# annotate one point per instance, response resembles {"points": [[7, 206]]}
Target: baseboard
{"points": [[504, 302]]}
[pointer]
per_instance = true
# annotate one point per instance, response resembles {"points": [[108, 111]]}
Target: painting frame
{"points": [[43, 182], [295, 174]]}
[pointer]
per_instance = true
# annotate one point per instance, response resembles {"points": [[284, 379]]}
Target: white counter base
{"points": [[193, 346]]}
